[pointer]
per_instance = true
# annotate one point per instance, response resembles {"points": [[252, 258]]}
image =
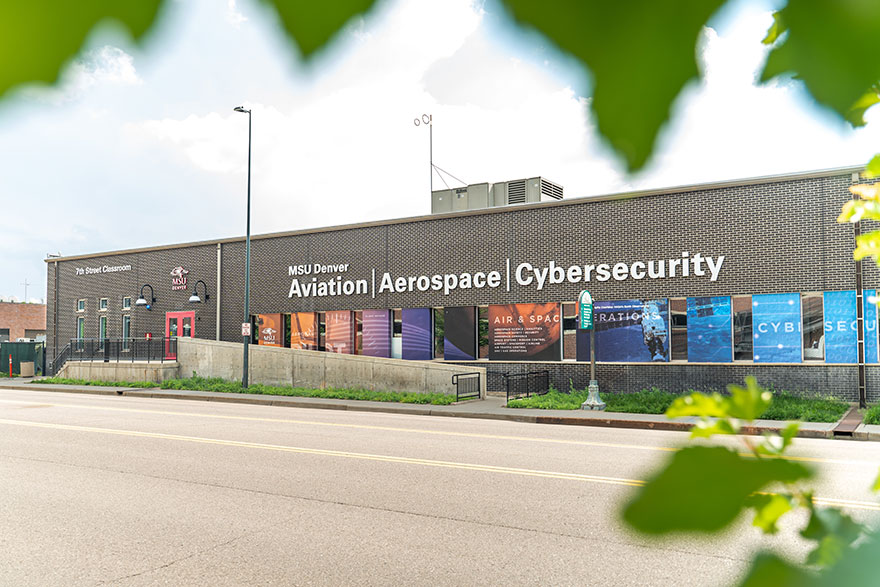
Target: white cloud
{"points": [[233, 16]]}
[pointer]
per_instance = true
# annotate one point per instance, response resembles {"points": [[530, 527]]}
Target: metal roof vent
{"points": [[516, 192]]}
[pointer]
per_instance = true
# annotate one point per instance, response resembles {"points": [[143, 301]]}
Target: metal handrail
{"points": [[470, 382]]}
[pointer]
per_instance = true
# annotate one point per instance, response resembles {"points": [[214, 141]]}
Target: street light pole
{"points": [[247, 261]]}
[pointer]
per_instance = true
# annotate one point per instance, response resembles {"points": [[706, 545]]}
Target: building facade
{"points": [[695, 288], [22, 321]]}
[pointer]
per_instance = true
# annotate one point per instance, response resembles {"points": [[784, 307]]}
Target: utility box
{"points": [[489, 195]]}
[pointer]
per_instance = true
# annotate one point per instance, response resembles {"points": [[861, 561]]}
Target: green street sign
{"points": [[585, 311]]}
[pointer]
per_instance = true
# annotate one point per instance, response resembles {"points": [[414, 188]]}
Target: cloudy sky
{"points": [[139, 146]]}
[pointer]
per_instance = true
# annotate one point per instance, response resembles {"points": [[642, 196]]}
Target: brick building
{"points": [[695, 287], [19, 320]]}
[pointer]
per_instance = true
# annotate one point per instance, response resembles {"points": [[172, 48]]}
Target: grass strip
{"points": [[871, 415], [217, 384], [785, 405]]}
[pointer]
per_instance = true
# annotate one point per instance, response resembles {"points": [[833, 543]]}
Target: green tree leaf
{"points": [[698, 404], [855, 210], [832, 47], [776, 29], [769, 507], [707, 428], [856, 568], [704, 489], [769, 569], [749, 402], [311, 24], [873, 169], [867, 245], [856, 114], [775, 444], [641, 54], [38, 38]]}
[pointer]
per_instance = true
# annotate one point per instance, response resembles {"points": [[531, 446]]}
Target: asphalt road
{"points": [[101, 490]]}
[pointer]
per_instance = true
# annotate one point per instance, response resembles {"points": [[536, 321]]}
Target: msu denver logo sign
{"points": [[178, 278]]}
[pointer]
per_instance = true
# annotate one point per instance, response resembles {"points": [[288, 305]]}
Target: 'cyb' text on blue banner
{"points": [[776, 321]]}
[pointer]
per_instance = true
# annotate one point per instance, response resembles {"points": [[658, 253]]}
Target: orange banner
{"points": [[270, 330], [304, 331]]}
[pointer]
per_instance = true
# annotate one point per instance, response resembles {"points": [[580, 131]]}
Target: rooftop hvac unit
{"points": [[489, 195]]}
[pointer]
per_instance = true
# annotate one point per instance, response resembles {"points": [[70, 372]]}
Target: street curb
{"points": [[862, 433]]}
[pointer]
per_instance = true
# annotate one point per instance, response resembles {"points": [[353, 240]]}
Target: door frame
{"points": [[170, 348]]}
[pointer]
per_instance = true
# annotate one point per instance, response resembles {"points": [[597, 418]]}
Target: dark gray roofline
{"points": [[493, 210]]}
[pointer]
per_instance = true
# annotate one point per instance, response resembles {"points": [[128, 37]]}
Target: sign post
{"points": [[585, 322]]}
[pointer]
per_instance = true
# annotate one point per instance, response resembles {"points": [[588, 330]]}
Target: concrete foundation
{"points": [[317, 369], [137, 371]]}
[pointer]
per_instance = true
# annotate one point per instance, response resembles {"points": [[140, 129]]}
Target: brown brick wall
{"points": [[20, 317], [778, 236]]}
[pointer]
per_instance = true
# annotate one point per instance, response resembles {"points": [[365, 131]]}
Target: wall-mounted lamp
{"points": [[142, 301], [194, 298]]}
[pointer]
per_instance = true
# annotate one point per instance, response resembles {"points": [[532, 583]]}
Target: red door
{"points": [[177, 324]]}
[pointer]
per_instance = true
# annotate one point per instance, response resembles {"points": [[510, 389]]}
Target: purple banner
{"points": [[377, 333], [417, 334]]}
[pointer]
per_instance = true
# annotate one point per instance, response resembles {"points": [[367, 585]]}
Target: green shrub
{"points": [[872, 415], [785, 405], [216, 384]]}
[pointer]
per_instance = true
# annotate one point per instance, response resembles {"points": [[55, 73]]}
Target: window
{"points": [[126, 331], [396, 334], [102, 304], [102, 328], [359, 333], [80, 332], [742, 328], [438, 333], [813, 327], [4, 335], [80, 306], [678, 317], [569, 331], [483, 332], [126, 303]]}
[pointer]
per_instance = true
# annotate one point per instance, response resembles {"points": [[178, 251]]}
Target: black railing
{"points": [[525, 384], [467, 386], [116, 350]]}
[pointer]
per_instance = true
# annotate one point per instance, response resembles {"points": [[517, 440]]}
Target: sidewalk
{"points": [[491, 408]]}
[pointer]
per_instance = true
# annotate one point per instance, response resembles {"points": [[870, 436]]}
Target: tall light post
{"points": [[429, 120], [247, 263]]}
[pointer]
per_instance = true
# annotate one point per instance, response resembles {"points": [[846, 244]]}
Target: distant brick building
{"points": [[18, 320]]}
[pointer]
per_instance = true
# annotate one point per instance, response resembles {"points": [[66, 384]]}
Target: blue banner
{"points": [[841, 328], [417, 338], [869, 311], [709, 330], [776, 320], [631, 330]]}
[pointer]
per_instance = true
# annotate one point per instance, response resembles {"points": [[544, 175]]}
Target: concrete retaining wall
{"points": [[101, 371], [317, 369]]}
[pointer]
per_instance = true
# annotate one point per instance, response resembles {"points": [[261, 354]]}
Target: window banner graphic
{"points": [[869, 311], [632, 330], [417, 334], [709, 330], [460, 333], [583, 345], [377, 333], [270, 330], [776, 320], [340, 332], [304, 331], [524, 332], [840, 339]]}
